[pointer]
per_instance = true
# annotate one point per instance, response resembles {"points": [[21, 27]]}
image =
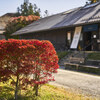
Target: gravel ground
{"points": [[83, 83]]}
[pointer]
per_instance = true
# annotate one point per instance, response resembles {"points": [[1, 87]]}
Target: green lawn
{"points": [[62, 54], [91, 56], [94, 56], [46, 92]]}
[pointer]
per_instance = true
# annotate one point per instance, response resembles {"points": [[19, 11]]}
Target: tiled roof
{"points": [[73, 17]]}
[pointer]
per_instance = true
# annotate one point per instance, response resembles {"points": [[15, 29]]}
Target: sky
{"points": [[53, 6]]}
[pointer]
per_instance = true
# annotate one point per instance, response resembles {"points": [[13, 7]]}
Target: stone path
{"points": [[84, 83]]}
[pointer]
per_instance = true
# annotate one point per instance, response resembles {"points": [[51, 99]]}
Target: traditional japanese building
{"points": [[76, 29]]}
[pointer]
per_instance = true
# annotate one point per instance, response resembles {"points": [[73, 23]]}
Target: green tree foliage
{"points": [[36, 10], [46, 13], [28, 9]]}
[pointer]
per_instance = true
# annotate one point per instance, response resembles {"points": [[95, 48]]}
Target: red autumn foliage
{"points": [[16, 23], [27, 62], [24, 19]]}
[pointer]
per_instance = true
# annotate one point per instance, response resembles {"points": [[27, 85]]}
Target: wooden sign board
{"points": [[76, 37]]}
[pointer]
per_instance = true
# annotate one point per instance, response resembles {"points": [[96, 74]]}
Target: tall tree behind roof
{"points": [[28, 9], [46, 13]]}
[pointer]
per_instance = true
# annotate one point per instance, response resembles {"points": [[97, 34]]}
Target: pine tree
{"points": [[46, 13], [24, 9], [36, 10], [28, 9]]}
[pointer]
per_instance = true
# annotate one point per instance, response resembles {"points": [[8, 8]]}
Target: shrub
{"points": [[27, 63]]}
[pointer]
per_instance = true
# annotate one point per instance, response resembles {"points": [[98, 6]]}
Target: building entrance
{"points": [[88, 41], [90, 34]]}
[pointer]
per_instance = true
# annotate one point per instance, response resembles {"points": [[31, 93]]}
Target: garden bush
{"points": [[27, 63]]}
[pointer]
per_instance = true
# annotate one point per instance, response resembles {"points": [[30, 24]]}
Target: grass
{"points": [[91, 56], [46, 92], [94, 56], [62, 54], [84, 69]]}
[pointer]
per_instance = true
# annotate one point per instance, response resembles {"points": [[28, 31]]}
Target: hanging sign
{"points": [[76, 37], [88, 28]]}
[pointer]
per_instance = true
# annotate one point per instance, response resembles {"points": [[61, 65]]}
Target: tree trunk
{"points": [[36, 89], [16, 89]]}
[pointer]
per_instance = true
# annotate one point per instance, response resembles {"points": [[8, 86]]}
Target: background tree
{"points": [[16, 23], [46, 13], [28, 9], [36, 10], [24, 9], [32, 13]]}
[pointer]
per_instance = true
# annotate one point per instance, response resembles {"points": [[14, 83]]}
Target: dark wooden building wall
{"points": [[57, 37]]}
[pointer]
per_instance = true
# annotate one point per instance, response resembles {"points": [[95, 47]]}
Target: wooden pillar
{"points": [[99, 39]]}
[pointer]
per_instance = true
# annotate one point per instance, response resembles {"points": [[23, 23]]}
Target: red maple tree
{"points": [[27, 63]]}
